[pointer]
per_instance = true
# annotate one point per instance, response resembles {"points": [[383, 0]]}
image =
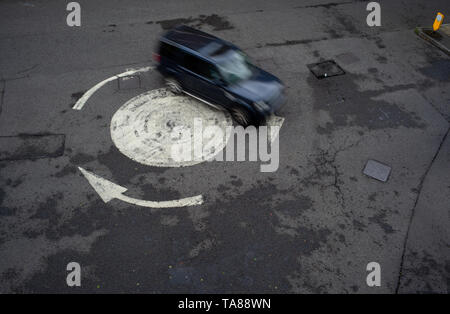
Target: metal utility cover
{"points": [[377, 170], [325, 69]]}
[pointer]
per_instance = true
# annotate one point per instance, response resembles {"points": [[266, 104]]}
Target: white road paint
{"points": [[271, 122], [143, 128], [108, 190], [82, 101]]}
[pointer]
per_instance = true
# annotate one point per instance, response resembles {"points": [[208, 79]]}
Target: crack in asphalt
{"points": [[411, 218], [28, 69], [324, 160], [3, 88], [336, 182], [438, 110], [327, 5]]}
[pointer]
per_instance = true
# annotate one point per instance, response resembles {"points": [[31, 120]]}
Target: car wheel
{"points": [[241, 116], [173, 85]]}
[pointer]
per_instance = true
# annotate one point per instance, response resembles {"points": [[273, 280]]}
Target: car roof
{"points": [[196, 40]]}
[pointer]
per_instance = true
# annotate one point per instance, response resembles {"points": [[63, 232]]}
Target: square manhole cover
{"points": [[325, 69], [377, 170]]}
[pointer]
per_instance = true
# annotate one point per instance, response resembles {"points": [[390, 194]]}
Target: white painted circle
{"points": [[142, 129]]}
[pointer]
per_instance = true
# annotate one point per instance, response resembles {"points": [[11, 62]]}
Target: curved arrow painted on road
{"points": [[80, 103], [108, 190]]}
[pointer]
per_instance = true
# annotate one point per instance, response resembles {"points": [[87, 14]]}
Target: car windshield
{"points": [[234, 66]]}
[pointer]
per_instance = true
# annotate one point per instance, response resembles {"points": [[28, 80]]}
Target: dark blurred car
{"points": [[218, 73]]}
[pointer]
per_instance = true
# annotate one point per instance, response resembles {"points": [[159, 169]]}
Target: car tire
{"points": [[242, 116], [173, 85]]}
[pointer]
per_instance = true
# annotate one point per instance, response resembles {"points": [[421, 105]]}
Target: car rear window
{"points": [[168, 51]]}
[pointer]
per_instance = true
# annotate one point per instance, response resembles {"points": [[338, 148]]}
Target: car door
{"points": [[169, 59], [203, 79]]}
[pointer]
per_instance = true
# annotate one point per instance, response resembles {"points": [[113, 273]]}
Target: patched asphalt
{"points": [[311, 226]]}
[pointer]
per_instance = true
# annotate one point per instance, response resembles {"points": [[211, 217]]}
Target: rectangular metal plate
{"points": [[325, 69], [31, 146], [377, 170]]}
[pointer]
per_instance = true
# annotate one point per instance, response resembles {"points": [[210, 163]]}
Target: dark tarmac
{"points": [[310, 227]]}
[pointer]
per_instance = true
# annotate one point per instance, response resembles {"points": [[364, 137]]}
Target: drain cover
{"points": [[325, 69], [377, 170]]}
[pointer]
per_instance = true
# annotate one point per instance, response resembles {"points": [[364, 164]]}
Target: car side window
{"points": [[189, 62], [215, 75], [200, 67]]}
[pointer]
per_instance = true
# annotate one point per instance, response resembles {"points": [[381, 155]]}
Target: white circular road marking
{"points": [[143, 128]]}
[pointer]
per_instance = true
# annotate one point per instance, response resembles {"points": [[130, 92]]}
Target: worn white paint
{"points": [[274, 123], [108, 190], [82, 101], [143, 128]]}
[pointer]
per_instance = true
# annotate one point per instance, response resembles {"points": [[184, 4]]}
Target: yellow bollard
{"points": [[438, 21]]}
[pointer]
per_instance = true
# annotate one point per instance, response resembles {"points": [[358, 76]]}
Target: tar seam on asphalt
{"points": [[422, 180], [324, 5], [3, 88], [32, 146], [28, 69], [2, 95]]}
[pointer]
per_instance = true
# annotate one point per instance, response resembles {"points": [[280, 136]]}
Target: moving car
{"points": [[219, 74]]}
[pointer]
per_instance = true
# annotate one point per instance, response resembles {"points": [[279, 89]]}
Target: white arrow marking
{"points": [[108, 190], [81, 102], [274, 123]]}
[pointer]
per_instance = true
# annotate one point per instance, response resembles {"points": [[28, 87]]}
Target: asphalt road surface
{"points": [[312, 226]]}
